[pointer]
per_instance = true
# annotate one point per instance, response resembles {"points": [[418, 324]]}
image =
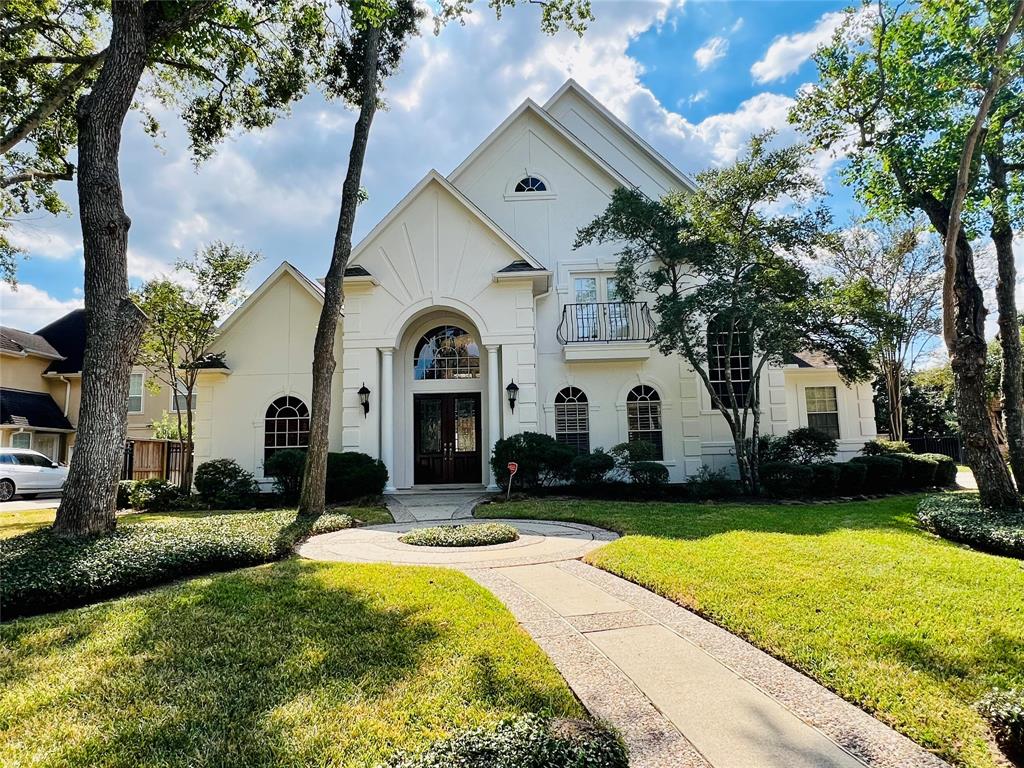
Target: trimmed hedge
{"points": [[918, 471], [786, 479], [154, 495], [945, 471], [542, 460], [44, 572], [826, 479], [223, 484], [960, 517], [286, 467], [879, 447], [592, 468], [851, 478], [471, 535], [883, 473], [530, 741], [352, 475], [1004, 711]]}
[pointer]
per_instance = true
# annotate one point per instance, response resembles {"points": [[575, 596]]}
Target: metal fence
{"points": [[947, 445]]}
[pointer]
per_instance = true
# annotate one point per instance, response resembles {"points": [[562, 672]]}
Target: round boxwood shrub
{"points": [[592, 468], [1004, 711], [542, 460], [960, 517], [918, 471], [786, 479], [286, 467], [883, 473], [471, 535], [945, 471], [851, 478], [880, 447], [223, 484], [825, 480], [155, 495], [648, 474], [530, 741], [352, 475], [124, 490]]}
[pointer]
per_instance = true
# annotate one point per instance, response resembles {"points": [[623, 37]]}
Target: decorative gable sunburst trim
{"points": [[315, 290]]}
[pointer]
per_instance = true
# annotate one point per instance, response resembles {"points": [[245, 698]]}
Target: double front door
{"points": [[446, 437]]}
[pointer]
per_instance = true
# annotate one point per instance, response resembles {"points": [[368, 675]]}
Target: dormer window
{"points": [[531, 184]]}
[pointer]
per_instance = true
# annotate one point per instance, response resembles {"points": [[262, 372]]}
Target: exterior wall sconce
{"points": [[513, 393], [364, 399]]}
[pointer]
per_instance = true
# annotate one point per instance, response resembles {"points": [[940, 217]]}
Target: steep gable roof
{"points": [[315, 290], [530, 106], [24, 343], [433, 177], [67, 335], [570, 86]]}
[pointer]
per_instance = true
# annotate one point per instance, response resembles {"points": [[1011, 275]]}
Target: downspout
{"points": [[67, 394]]}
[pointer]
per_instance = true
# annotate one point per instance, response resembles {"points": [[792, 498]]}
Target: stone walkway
{"points": [[683, 692]]}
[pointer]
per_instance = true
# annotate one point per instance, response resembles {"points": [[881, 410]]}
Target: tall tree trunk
{"points": [[893, 374], [1006, 299], [314, 478], [114, 324]]}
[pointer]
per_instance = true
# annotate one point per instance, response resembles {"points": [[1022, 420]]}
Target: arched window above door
{"points": [[286, 425], [446, 352]]}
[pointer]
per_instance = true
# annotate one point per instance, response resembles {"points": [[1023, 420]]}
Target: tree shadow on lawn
{"points": [[1000, 655], [279, 665]]}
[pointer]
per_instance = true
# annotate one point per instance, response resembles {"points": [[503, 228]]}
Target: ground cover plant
{"points": [[475, 535], [45, 572], [960, 517], [289, 664], [855, 594]]}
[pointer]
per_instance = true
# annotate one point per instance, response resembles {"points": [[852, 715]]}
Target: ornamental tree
{"points": [[724, 266]]}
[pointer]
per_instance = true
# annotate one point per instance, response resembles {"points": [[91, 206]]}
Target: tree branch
{"points": [[33, 175], [29, 61]]}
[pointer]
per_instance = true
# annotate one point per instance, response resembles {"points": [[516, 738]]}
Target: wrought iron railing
{"points": [[607, 321]]}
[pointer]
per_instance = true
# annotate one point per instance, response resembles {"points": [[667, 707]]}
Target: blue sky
{"points": [[695, 79]]}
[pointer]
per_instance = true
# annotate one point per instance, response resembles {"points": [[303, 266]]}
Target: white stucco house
{"points": [[471, 283]]}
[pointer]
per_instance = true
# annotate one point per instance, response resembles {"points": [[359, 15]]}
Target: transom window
{"points": [[531, 184], [572, 419], [738, 359], [823, 410], [286, 426], [446, 352], [643, 418]]}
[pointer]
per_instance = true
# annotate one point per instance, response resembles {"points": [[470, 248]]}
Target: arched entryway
{"points": [[441, 376]]}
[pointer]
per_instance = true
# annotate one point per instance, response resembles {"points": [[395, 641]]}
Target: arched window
{"points": [[531, 184], [446, 352], [286, 426], [738, 359], [643, 418], [572, 419]]}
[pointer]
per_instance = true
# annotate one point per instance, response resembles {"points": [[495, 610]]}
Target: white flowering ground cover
{"points": [[42, 572], [289, 664]]}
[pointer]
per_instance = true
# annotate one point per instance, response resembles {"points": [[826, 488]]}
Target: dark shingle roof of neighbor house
{"points": [[209, 361], [31, 409], [356, 271], [809, 359], [521, 266], [23, 342], [67, 334]]}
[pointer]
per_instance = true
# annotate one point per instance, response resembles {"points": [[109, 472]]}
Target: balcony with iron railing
{"points": [[622, 325]]}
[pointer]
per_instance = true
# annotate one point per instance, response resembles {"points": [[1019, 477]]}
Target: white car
{"points": [[28, 473]]}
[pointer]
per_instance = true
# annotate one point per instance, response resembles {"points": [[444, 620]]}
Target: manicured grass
{"points": [[291, 664], [17, 523], [910, 627]]}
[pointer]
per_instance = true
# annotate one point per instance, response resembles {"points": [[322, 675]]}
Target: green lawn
{"points": [[908, 626], [290, 664]]}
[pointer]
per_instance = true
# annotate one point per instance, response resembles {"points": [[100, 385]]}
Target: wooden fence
{"points": [[146, 459]]}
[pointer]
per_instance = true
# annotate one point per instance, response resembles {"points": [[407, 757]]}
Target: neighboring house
{"points": [[41, 387], [471, 284]]}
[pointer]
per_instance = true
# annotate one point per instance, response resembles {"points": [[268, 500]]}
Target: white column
{"points": [[494, 409], [387, 414]]}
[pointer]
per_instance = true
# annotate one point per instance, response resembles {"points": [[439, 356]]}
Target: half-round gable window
{"points": [[531, 184]]}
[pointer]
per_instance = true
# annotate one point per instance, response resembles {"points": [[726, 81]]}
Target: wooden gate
{"points": [[145, 459]]}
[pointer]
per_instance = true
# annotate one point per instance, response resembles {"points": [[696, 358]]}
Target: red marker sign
{"points": [[512, 469]]}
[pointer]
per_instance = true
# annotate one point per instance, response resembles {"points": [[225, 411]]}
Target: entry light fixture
{"points": [[364, 399], [513, 393]]}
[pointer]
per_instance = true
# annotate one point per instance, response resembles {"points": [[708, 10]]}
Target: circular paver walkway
{"points": [[539, 542]]}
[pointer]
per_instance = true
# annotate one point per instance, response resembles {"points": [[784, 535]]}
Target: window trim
{"points": [[142, 392], [582, 446], [510, 189], [807, 413], [175, 394], [660, 431], [287, 398]]}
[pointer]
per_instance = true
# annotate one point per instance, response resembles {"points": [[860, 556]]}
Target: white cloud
{"points": [[698, 96], [787, 52], [737, 26], [39, 237], [713, 50], [29, 308]]}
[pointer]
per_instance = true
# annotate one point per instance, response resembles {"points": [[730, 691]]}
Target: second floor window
{"points": [[572, 419], [135, 393], [180, 400], [736, 359], [643, 417]]}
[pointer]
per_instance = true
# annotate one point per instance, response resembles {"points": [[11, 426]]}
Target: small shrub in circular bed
{"points": [[960, 517], [529, 741], [1004, 711], [476, 535]]}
